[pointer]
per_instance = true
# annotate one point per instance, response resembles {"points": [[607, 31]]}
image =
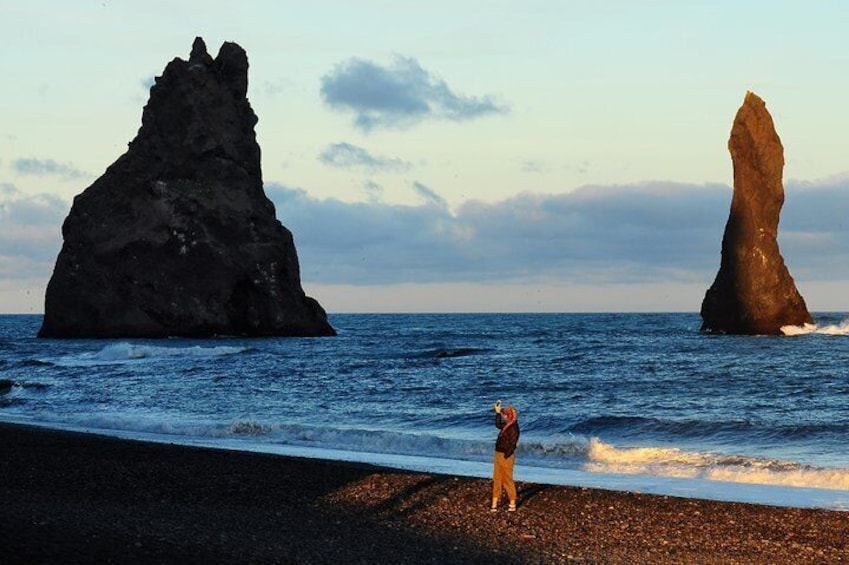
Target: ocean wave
{"points": [[123, 352], [572, 449], [448, 353], [35, 363], [638, 426], [572, 452], [9, 402], [126, 351], [832, 329], [677, 463], [601, 424], [8, 385], [382, 441], [632, 427], [248, 428], [262, 432]]}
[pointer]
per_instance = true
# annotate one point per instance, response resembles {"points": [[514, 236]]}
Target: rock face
{"points": [[177, 238], [753, 292]]}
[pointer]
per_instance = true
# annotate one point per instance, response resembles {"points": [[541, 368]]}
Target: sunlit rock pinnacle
{"points": [[753, 292]]}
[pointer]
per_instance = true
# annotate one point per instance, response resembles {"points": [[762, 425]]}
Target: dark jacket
{"points": [[507, 438]]}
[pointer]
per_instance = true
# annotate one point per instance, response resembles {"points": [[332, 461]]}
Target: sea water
{"points": [[640, 402]]}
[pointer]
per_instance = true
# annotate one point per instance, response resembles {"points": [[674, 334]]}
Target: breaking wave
{"points": [[832, 329], [568, 453], [452, 352], [580, 453], [123, 352], [672, 462]]}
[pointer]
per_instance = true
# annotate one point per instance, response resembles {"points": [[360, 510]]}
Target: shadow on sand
{"points": [[83, 498]]}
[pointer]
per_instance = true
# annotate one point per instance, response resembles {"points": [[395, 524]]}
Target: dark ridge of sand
{"points": [[83, 498]]}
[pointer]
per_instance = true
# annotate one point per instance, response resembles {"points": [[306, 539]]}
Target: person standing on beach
{"points": [[507, 421]]}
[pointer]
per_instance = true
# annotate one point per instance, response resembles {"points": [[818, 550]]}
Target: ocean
{"points": [[641, 402]]}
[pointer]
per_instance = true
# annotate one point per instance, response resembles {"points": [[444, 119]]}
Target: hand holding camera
{"points": [[498, 406]]}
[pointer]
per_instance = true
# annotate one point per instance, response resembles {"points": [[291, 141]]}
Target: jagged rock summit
{"points": [[177, 237], [753, 292]]}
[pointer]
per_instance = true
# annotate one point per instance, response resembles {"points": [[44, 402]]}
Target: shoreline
{"points": [[72, 497], [761, 493]]}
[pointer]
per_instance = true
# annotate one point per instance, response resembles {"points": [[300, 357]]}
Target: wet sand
{"points": [[83, 498]]}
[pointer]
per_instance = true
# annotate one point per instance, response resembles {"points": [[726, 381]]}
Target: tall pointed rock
{"points": [[753, 292], [177, 237]]}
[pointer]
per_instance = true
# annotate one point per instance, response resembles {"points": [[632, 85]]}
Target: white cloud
{"points": [[533, 166], [641, 236], [645, 233], [348, 156], [429, 195], [648, 232], [48, 167], [31, 236], [399, 95]]}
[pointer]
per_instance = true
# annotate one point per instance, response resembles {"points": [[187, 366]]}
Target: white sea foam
{"points": [[571, 453], [832, 329], [382, 441], [802, 477], [123, 352], [248, 428], [126, 351], [671, 462], [578, 461]]}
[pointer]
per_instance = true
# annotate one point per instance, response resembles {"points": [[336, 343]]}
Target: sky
{"points": [[462, 156]]}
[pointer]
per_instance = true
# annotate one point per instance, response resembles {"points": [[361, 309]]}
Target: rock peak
{"points": [[753, 292], [232, 63], [177, 237], [199, 53]]}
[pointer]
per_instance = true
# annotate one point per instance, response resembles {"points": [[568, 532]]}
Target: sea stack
{"points": [[753, 292], [177, 237]]}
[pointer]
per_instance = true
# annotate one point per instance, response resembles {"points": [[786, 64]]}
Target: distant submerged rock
{"points": [[177, 237], [753, 292]]}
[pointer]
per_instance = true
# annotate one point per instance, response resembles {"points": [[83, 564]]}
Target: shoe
{"points": [[494, 509], [512, 507]]}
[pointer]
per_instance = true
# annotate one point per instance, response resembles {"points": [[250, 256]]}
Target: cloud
{"points": [[533, 166], [31, 236], [374, 190], [429, 195], [345, 156], [399, 95], [48, 167], [814, 231], [647, 235], [620, 234], [630, 234]]}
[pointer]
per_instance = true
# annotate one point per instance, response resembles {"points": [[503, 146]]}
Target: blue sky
{"points": [[456, 156]]}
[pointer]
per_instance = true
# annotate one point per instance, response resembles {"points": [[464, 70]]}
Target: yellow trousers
{"points": [[502, 476]]}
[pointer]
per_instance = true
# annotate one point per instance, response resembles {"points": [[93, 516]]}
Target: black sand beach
{"points": [[82, 498]]}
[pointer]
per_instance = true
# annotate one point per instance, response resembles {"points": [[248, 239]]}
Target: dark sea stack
{"points": [[177, 237], [753, 292]]}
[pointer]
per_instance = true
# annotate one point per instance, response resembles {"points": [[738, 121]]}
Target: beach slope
{"points": [[83, 498]]}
